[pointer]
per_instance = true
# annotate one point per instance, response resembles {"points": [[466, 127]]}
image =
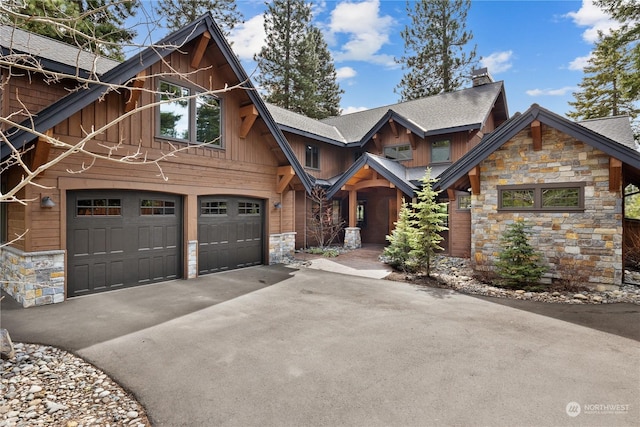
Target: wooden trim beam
{"points": [[134, 91], [378, 142], [394, 129], [373, 183], [474, 178], [536, 135], [248, 114], [412, 139], [615, 174], [41, 152], [201, 48], [347, 187], [451, 193], [285, 175]]}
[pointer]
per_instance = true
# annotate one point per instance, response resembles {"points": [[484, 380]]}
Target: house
{"points": [[241, 199], [226, 204], [371, 160], [565, 179]]}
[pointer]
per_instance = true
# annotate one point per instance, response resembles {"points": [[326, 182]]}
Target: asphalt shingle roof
{"points": [[20, 41], [615, 128]]}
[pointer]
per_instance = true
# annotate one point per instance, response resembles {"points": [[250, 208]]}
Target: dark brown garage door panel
{"points": [[230, 233], [121, 238]]}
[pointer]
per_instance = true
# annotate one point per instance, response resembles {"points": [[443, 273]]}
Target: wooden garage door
{"points": [[230, 231], [117, 239]]}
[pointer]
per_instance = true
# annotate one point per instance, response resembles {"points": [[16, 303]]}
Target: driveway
{"points": [[311, 347]]}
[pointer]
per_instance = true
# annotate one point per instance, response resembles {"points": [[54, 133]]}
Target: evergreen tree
{"points": [[296, 68], [178, 13], [435, 59], [401, 241], [603, 91], [98, 24], [518, 262], [429, 219]]}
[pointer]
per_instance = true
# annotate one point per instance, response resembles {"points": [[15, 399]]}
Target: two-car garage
{"points": [[118, 239]]}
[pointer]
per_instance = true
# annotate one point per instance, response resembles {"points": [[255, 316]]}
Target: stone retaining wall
{"points": [[578, 247], [32, 278]]}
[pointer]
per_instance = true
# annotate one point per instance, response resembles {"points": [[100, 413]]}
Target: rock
{"points": [[520, 292], [34, 389], [55, 407], [580, 297], [132, 414], [596, 298], [555, 294], [7, 350]]}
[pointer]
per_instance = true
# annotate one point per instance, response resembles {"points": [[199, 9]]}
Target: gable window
{"points": [[312, 157], [441, 151], [542, 197], [398, 152], [194, 119]]}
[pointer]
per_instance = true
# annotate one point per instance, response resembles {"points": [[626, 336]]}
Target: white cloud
{"points": [[497, 62], [595, 19], [367, 32], [580, 62], [344, 73], [551, 92], [349, 110], [249, 37]]}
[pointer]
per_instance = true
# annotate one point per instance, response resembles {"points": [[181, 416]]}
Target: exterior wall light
{"points": [[47, 202], [277, 205]]}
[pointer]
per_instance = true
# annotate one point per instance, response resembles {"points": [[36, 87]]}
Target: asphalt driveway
{"points": [[311, 347]]}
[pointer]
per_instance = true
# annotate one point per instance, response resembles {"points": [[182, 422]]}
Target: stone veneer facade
{"points": [[583, 247], [282, 247], [352, 239], [34, 278]]}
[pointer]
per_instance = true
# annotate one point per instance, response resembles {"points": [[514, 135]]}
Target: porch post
{"points": [[352, 233]]}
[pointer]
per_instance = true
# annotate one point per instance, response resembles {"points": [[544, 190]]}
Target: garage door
{"points": [[230, 233], [117, 239]]}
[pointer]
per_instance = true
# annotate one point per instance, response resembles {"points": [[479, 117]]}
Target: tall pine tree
{"points": [[296, 68], [436, 57], [96, 25], [178, 13], [603, 91]]}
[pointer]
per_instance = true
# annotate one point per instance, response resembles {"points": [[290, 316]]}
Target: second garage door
{"points": [[230, 233]]}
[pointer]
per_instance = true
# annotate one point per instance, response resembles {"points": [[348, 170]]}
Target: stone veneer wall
{"points": [[578, 247], [282, 247], [32, 278], [352, 238]]}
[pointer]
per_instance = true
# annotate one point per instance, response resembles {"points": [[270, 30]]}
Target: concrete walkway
{"points": [[315, 348]]}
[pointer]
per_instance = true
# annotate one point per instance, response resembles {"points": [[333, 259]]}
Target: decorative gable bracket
{"points": [[474, 178], [201, 48], [134, 91], [248, 114], [285, 175], [615, 174], [536, 135]]}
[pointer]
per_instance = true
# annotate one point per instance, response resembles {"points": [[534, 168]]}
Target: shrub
{"points": [[518, 263], [400, 241]]}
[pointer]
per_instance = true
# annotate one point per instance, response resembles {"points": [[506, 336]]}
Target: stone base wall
{"points": [[352, 239], [282, 247], [580, 247], [192, 259], [32, 278]]}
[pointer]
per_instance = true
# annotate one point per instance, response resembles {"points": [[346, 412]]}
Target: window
{"points": [[312, 157], [195, 120], [213, 208], [464, 202], [544, 197], [157, 207], [398, 152], [98, 207], [248, 208], [441, 151]]}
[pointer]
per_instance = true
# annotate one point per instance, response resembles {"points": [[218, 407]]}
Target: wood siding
{"points": [[333, 159]]}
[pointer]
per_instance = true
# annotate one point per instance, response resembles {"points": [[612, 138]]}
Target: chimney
{"points": [[481, 77]]}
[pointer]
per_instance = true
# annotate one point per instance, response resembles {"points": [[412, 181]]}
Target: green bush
{"points": [[518, 263]]}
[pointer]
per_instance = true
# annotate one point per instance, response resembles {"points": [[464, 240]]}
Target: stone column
{"points": [[352, 238]]}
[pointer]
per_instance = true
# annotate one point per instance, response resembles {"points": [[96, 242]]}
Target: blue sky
{"points": [[538, 48]]}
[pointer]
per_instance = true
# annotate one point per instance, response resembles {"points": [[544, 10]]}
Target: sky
{"points": [[538, 48]]}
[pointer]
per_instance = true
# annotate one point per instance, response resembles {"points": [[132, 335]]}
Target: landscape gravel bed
{"points": [[46, 386]]}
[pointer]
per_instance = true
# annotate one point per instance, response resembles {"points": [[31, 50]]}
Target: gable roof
{"points": [[52, 55], [510, 128], [465, 109], [125, 71]]}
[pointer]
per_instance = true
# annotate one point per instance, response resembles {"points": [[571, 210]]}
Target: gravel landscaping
{"points": [[45, 386]]}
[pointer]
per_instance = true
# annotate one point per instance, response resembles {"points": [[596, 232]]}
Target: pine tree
{"points": [[296, 68], [97, 25], [603, 91], [430, 216], [401, 241], [518, 263], [178, 13], [435, 59]]}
